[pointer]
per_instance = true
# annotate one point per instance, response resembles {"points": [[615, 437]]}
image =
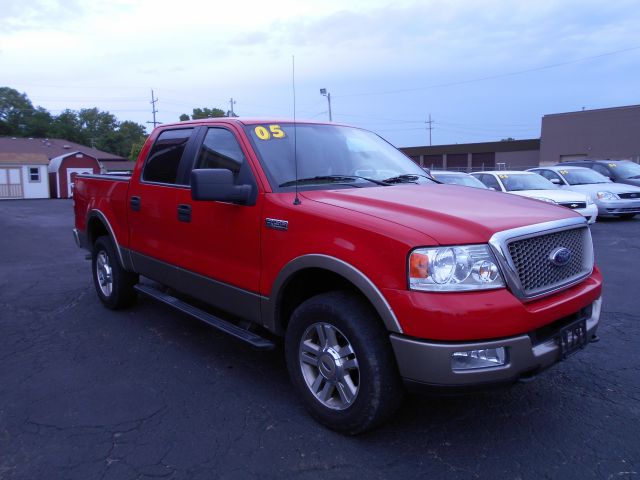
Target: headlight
{"points": [[607, 196], [548, 200], [469, 267]]}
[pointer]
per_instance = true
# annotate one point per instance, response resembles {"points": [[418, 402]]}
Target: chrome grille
{"points": [[631, 195], [536, 272], [574, 204]]}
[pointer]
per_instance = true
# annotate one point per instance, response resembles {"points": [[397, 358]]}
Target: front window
{"points": [[626, 169], [514, 182], [329, 155], [582, 176]]}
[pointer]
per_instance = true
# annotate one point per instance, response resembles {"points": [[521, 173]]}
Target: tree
{"points": [[39, 123], [199, 113], [96, 127], [67, 125], [15, 107], [89, 126]]}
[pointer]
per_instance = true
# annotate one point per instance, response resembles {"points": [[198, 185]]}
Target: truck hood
{"points": [[450, 214]]}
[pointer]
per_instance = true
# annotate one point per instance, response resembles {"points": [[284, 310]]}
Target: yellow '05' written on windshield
{"points": [[267, 133]]}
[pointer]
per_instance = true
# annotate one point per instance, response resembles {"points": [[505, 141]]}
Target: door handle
{"points": [[134, 202], [184, 212]]}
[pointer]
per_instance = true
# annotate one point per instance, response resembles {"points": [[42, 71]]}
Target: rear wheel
{"points": [[341, 362], [114, 284]]}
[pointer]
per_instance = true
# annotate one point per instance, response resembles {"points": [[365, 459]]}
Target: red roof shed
{"points": [[63, 169]]}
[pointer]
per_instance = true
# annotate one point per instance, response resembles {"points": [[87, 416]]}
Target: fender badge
{"points": [[276, 224]]}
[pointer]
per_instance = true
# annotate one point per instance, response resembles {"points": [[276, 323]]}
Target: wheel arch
{"points": [[311, 275], [98, 226]]}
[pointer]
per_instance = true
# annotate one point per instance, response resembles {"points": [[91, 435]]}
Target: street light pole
{"points": [[323, 91]]}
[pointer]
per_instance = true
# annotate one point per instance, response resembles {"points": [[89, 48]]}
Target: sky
{"points": [[482, 70]]}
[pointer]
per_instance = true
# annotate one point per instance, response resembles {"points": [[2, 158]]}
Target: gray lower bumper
{"points": [[619, 207], [430, 362]]}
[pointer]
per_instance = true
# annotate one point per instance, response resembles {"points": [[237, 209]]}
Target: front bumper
{"points": [[430, 363], [590, 213], [618, 207]]}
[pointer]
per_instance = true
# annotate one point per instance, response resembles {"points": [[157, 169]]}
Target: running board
{"points": [[216, 322]]}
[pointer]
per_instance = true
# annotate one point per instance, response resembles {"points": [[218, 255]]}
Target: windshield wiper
{"points": [[634, 177], [330, 179], [406, 178]]}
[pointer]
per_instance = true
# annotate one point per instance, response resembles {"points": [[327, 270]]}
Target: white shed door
{"points": [[71, 173], [10, 183]]}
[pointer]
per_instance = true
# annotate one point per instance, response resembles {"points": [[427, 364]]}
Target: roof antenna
{"points": [[296, 201]]}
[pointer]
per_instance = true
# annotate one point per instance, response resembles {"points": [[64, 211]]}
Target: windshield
{"points": [[582, 176], [330, 154], [458, 179], [514, 182], [625, 169]]}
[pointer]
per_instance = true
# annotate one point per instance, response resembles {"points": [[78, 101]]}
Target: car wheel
{"points": [[114, 284], [341, 362]]}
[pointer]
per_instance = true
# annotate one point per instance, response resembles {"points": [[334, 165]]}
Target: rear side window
{"points": [[490, 181], [601, 169], [549, 174], [220, 149], [164, 158]]}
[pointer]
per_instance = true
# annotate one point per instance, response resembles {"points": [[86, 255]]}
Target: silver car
{"points": [[457, 178], [612, 199]]}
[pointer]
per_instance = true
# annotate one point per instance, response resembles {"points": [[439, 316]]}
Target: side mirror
{"points": [[556, 181], [217, 184]]}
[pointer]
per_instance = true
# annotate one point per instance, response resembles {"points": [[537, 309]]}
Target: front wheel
{"points": [[341, 363], [114, 284]]}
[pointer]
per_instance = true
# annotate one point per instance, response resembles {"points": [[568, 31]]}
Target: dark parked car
{"points": [[619, 171]]}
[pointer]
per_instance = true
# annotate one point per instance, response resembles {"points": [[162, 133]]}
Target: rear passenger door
{"points": [[153, 221]]}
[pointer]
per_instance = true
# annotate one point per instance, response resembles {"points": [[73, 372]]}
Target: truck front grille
{"points": [[537, 272], [543, 258]]}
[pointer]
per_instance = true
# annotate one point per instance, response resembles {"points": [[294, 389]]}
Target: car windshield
{"points": [[330, 154], [458, 179], [582, 176], [625, 169], [514, 182]]}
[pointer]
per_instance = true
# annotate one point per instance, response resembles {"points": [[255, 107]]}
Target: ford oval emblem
{"points": [[560, 256]]}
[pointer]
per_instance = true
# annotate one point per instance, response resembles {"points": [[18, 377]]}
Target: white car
{"points": [[612, 199], [457, 178], [529, 184]]}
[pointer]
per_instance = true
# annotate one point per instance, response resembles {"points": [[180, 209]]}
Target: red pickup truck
{"points": [[375, 276]]}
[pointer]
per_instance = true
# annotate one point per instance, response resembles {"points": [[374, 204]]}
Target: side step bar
{"points": [[216, 322]]}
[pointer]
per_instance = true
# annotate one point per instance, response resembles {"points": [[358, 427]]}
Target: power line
{"points": [[492, 77]]}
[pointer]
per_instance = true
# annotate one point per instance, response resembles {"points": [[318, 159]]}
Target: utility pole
{"points": [[232, 102], [323, 92], [153, 109], [430, 127]]}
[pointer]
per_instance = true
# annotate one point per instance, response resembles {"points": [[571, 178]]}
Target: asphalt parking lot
{"points": [[89, 393]]}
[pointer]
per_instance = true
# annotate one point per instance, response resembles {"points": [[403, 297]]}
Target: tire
{"points": [[114, 284], [341, 363]]}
